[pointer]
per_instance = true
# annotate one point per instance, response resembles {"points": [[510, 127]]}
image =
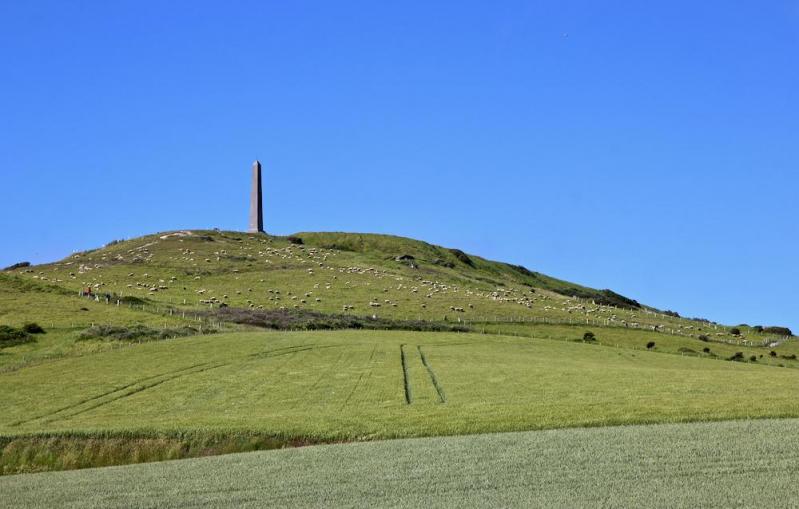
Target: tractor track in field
{"points": [[135, 390], [324, 375], [440, 390], [107, 393], [405, 377], [280, 351], [287, 353], [368, 374]]}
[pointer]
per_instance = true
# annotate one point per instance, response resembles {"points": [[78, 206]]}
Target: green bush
{"points": [[9, 336], [735, 331], [300, 319], [704, 338], [462, 257], [650, 345], [589, 336], [137, 333], [20, 265], [444, 263], [33, 328], [778, 331]]}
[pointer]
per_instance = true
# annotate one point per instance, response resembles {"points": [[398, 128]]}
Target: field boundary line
{"points": [[440, 390], [405, 378]]}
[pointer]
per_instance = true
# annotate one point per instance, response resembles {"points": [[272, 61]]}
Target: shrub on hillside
{"points": [[735, 331], [773, 353], [131, 299], [298, 319], [295, 240], [757, 328], [521, 269], [33, 328], [778, 331], [738, 356], [10, 336], [704, 338], [669, 312], [650, 345], [444, 263], [791, 357], [462, 257], [20, 265], [137, 333], [600, 297], [706, 350], [753, 358], [589, 336]]}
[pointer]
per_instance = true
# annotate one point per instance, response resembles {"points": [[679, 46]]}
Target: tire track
{"points": [[135, 390], [107, 393], [405, 378], [440, 390], [368, 372], [284, 350]]}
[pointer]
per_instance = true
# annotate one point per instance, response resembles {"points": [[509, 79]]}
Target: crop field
{"points": [[359, 385], [721, 464]]}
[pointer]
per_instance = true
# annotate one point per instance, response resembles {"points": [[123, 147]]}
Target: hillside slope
{"points": [[361, 274]]}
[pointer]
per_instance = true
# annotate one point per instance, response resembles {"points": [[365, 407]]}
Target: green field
{"points": [[362, 385], [724, 464]]}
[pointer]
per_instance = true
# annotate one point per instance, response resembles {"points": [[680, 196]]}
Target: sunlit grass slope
{"points": [[373, 384]]}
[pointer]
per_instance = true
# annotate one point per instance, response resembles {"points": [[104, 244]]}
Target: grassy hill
{"points": [[167, 356], [370, 274]]}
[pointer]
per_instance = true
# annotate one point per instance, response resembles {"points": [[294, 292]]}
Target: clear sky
{"points": [[650, 148]]}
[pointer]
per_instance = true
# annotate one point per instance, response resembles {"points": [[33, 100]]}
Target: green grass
{"points": [[637, 340], [351, 385], [723, 464], [70, 402], [338, 269], [333, 270]]}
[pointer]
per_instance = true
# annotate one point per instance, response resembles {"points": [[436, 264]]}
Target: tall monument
{"points": [[256, 201]]}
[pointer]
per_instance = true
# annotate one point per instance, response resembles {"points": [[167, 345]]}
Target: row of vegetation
{"points": [[12, 336], [298, 319], [42, 453], [138, 333]]}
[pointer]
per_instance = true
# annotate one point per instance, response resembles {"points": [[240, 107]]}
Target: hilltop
{"points": [[357, 274]]}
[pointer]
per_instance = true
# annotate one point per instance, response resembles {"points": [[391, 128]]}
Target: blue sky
{"points": [[651, 149]]}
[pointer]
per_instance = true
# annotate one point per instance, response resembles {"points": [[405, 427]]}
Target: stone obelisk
{"points": [[256, 201]]}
